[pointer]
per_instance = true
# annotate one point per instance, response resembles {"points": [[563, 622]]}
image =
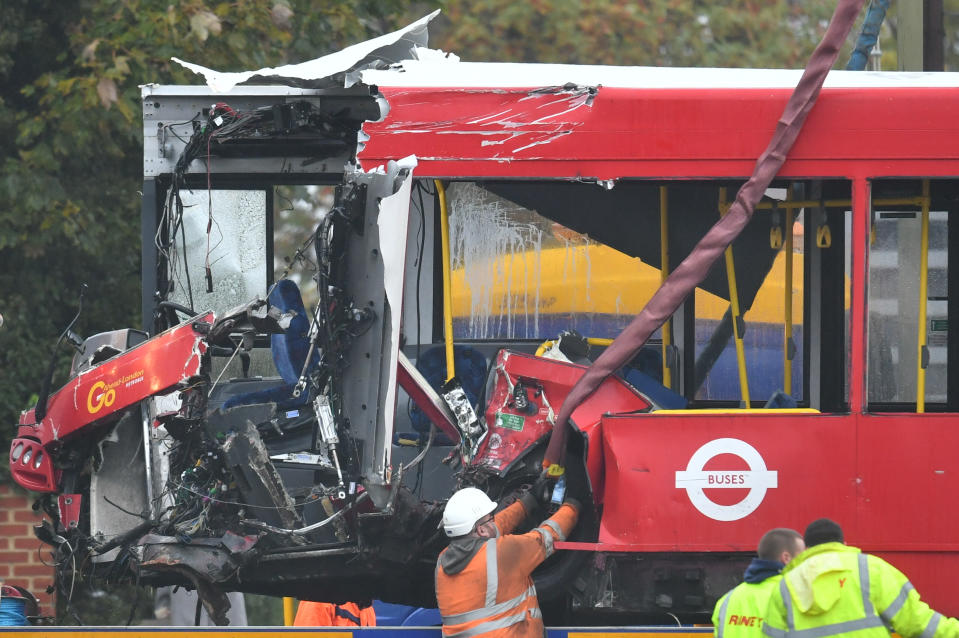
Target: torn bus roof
{"points": [[401, 59], [616, 121], [337, 68]]}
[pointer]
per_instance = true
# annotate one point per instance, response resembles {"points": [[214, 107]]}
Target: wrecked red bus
{"points": [[300, 443]]}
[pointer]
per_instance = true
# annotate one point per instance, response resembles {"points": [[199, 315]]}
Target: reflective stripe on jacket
{"points": [[494, 594], [834, 590], [312, 614], [739, 614]]}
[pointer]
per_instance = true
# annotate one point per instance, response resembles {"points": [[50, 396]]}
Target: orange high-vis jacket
{"points": [[494, 594], [311, 614]]}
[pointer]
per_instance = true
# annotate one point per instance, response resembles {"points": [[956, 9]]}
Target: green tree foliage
{"points": [[71, 138], [951, 27], [70, 166], [738, 33]]}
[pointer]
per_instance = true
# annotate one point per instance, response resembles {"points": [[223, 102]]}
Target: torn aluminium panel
{"points": [[501, 114], [341, 68], [509, 123], [329, 83]]}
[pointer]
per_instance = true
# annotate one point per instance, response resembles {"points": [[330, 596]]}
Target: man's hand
{"points": [[542, 489]]}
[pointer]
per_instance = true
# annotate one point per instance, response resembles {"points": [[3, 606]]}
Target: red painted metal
{"points": [[31, 466], [425, 398], [685, 133], [859, 276], [513, 432], [69, 506], [171, 357], [889, 491], [645, 508], [907, 478]]}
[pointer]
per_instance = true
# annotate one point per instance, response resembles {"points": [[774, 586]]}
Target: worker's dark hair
{"points": [[776, 541], [823, 530]]}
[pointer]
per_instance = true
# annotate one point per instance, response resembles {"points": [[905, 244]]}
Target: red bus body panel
{"points": [[504, 443], [682, 133], [147, 369], [645, 452], [863, 471]]}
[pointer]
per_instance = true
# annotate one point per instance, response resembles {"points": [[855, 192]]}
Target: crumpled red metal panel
{"points": [[513, 431], [151, 367]]}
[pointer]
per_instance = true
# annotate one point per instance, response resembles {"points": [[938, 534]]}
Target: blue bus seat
{"points": [[662, 396], [470, 367], [289, 350]]}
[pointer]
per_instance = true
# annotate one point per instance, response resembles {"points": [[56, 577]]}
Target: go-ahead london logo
{"points": [[757, 479]]}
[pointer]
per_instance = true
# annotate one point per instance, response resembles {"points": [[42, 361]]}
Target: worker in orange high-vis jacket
{"points": [[483, 582], [313, 614]]}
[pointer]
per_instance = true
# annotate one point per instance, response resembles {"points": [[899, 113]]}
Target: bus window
{"points": [[234, 251], [519, 275], [773, 364], [297, 210], [790, 270], [531, 259], [908, 297]]}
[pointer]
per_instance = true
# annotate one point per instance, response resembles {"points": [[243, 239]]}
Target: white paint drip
{"points": [[490, 244]]}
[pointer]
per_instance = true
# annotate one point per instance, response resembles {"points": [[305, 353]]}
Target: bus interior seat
{"points": [[662, 396], [780, 400], [289, 350]]}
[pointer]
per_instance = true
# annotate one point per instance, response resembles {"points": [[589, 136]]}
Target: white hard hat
{"points": [[463, 510]]}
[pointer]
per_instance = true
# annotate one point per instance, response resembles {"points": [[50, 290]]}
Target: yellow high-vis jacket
{"points": [[740, 613], [836, 590]]}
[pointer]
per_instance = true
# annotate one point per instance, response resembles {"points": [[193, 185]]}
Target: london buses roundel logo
{"points": [[757, 479]]}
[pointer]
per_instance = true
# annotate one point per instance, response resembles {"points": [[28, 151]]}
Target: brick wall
{"points": [[20, 562]]}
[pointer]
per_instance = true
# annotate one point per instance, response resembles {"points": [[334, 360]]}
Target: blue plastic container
{"points": [[12, 612]]}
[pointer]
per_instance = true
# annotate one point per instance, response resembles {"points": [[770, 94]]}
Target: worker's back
{"points": [[484, 585], [836, 589], [514, 608], [740, 613], [314, 614]]}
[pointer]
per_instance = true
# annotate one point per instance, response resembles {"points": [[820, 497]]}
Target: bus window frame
{"points": [[908, 408]]}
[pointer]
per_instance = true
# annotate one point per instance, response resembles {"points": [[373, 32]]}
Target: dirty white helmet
{"points": [[463, 510]]}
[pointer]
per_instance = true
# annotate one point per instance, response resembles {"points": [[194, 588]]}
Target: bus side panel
{"points": [[537, 132], [909, 469], [717, 482], [931, 573]]}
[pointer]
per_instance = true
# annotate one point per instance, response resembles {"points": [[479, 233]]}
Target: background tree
{"points": [[739, 33], [71, 145], [70, 160]]}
